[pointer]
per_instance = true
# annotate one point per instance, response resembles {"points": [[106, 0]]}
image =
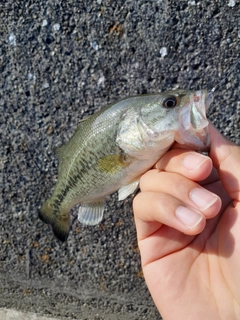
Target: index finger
{"points": [[190, 164]]}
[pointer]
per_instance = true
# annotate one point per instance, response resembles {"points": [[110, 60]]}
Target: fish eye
{"points": [[170, 102]]}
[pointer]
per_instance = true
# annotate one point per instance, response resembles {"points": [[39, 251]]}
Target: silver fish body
{"points": [[111, 149]]}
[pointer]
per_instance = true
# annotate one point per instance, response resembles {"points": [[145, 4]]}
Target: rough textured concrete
{"points": [[60, 61]]}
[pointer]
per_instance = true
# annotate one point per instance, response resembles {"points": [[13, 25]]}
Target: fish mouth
{"points": [[208, 100], [201, 103], [194, 132], [204, 135]]}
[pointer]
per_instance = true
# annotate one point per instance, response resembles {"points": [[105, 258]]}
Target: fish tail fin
{"points": [[60, 222]]}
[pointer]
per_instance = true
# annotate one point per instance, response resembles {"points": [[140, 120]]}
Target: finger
{"points": [[153, 209], [226, 158], [213, 177], [191, 164], [189, 192], [156, 240]]}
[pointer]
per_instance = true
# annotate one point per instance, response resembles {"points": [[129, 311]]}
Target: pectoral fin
{"points": [[91, 213], [111, 163], [125, 191]]}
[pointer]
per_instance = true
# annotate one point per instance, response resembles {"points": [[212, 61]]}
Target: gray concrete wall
{"points": [[59, 62]]}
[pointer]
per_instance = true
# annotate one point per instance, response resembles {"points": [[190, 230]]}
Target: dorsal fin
{"points": [[80, 123], [59, 151], [83, 119]]}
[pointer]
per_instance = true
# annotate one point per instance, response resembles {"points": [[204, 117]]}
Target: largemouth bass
{"points": [[111, 149]]}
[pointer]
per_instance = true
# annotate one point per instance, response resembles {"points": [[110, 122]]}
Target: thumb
{"points": [[226, 159]]}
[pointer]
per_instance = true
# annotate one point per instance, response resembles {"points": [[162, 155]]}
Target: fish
{"points": [[111, 149]]}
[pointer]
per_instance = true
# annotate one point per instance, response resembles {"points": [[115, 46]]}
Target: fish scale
{"points": [[111, 149]]}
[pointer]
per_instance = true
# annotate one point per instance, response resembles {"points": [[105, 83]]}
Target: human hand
{"points": [[188, 226]]}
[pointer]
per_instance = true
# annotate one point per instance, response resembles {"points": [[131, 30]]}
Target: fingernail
{"points": [[188, 217], [193, 161], [203, 198]]}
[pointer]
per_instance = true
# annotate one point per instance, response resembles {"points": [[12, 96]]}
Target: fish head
{"points": [[181, 115], [155, 121]]}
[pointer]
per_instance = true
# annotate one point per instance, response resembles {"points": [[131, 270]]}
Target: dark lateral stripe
{"points": [[71, 183]]}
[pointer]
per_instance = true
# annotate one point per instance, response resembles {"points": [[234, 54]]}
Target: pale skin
{"points": [[188, 226]]}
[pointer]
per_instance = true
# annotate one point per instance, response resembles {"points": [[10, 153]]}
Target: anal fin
{"points": [[91, 213]]}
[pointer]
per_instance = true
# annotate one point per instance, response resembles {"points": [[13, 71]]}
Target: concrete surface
{"points": [[60, 61], [10, 314]]}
